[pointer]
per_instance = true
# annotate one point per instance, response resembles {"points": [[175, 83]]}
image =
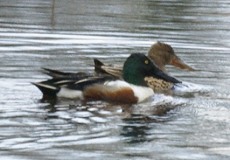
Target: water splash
{"points": [[190, 89]]}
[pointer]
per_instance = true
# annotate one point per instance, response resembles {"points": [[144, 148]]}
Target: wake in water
{"points": [[187, 89], [160, 104]]}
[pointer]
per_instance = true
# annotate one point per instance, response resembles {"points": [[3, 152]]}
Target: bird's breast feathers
{"points": [[118, 91]]}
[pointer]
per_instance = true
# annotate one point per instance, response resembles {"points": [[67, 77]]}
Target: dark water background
{"points": [[68, 34]]}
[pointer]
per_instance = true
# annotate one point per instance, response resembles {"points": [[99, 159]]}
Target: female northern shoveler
{"points": [[162, 54], [133, 89]]}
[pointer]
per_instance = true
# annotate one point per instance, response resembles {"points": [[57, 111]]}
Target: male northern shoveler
{"points": [[132, 89]]}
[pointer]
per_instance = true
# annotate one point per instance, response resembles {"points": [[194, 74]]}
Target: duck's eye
{"points": [[146, 61]]}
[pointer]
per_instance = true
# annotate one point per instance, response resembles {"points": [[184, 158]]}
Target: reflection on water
{"points": [[67, 35]]}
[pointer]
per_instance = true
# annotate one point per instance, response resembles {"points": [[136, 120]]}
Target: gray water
{"points": [[68, 34]]}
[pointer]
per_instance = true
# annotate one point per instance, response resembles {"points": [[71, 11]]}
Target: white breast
{"points": [[140, 92]]}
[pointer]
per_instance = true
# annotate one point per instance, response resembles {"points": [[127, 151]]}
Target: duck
{"points": [[160, 53], [132, 88], [163, 54]]}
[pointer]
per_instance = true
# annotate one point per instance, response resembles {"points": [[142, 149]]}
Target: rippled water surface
{"points": [[68, 34]]}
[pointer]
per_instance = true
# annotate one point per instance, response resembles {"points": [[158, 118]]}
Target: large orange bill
{"points": [[177, 62]]}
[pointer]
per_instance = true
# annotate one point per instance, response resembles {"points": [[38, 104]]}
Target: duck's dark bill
{"points": [[161, 75]]}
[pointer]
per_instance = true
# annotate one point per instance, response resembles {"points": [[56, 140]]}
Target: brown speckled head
{"points": [[163, 54]]}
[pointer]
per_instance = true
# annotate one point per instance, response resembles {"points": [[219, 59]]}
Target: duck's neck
{"points": [[133, 77], [158, 61], [136, 80]]}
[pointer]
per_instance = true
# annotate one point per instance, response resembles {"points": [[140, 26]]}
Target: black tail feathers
{"points": [[47, 89]]}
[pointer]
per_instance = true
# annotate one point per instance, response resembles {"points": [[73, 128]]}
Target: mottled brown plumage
{"points": [[163, 54], [158, 85], [160, 53]]}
